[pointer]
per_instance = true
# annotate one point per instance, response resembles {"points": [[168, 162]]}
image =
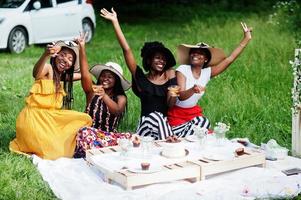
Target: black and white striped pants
{"points": [[157, 126], [187, 128]]}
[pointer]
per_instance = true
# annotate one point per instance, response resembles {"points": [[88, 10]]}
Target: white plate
{"points": [[191, 138], [218, 157], [186, 153], [149, 171]]}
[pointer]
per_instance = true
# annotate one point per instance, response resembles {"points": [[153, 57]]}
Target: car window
{"points": [[44, 4], [11, 3], [64, 1]]}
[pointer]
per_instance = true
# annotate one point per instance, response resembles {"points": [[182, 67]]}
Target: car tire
{"points": [[17, 40], [88, 27]]}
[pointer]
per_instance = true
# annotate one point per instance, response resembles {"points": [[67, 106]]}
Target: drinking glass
{"points": [[125, 146], [201, 134], [147, 145], [220, 137], [174, 89]]}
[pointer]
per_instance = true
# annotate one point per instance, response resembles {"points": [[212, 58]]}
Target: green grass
{"points": [[253, 95]]}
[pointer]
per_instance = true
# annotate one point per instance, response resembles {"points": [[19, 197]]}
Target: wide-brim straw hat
{"points": [[217, 54], [74, 47], [113, 67]]}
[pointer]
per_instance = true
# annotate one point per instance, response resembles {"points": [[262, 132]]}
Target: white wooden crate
{"points": [[296, 114], [179, 171], [250, 158], [189, 170]]}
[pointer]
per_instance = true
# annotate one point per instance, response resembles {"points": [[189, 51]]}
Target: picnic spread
{"points": [[216, 169]]}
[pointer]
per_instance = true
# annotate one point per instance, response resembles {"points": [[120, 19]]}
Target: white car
{"points": [[25, 22]]}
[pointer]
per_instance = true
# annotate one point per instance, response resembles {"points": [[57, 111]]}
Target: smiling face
{"points": [[158, 62], [65, 59], [107, 79], [198, 57]]}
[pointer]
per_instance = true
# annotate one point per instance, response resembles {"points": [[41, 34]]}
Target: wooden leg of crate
{"points": [[296, 133]]}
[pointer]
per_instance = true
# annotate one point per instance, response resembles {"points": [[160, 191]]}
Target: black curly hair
{"points": [[148, 51]]}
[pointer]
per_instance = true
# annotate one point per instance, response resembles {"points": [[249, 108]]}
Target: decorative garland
{"points": [[296, 90]]}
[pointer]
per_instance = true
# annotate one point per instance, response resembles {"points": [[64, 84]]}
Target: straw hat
{"points": [[217, 54], [113, 67], [74, 47]]}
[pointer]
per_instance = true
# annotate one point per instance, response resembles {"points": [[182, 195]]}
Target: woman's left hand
{"points": [[112, 16], [247, 30]]}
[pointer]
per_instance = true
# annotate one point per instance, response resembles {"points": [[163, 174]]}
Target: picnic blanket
{"points": [[75, 179]]}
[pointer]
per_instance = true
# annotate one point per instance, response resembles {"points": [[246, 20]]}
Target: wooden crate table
{"points": [[248, 159], [178, 171], [193, 168]]}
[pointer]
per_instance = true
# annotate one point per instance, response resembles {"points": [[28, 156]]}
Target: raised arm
{"points": [[224, 64], [86, 79], [127, 52], [41, 69]]}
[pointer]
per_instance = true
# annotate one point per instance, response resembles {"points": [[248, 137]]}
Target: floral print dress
{"points": [[103, 132]]}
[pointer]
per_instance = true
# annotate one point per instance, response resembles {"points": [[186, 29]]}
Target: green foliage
{"points": [[287, 15], [253, 95]]}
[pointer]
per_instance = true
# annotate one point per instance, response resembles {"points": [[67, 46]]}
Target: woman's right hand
{"points": [[52, 50], [112, 16], [174, 90], [98, 90]]}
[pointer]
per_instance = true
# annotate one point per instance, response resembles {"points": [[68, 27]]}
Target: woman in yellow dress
{"points": [[43, 127]]}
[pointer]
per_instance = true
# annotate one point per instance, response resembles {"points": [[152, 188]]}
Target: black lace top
{"points": [[101, 116], [153, 97]]}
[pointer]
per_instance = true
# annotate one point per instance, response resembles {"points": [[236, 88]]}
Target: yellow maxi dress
{"points": [[43, 128]]}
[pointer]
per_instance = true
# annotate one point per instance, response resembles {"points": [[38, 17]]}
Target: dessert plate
{"points": [[186, 153], [218, 157], [151, 169]]}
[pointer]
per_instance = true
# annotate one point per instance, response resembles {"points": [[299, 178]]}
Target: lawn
{"points": [[253, 95]]}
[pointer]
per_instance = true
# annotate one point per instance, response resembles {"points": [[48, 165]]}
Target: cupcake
{"points": [[145, 166], [136, 141], [240, 151], [173, 139]]}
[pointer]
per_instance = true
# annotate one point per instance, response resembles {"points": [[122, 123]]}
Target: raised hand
{"points": [[52, 50], [247, 31], [81, 39], [112, 16]]}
